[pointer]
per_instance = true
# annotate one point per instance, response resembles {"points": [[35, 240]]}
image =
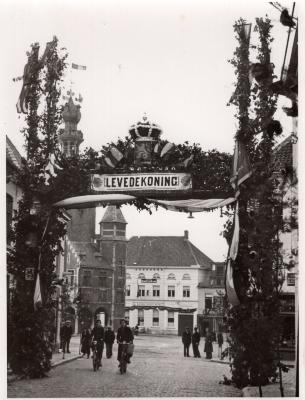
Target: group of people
{"points": [[100, 336], [189, 338]]}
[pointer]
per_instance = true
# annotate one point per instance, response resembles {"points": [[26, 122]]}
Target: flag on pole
{"points": [[235, 238], [241, 166], [79, 67], [37, 293], [229, 285], [167, 149]]}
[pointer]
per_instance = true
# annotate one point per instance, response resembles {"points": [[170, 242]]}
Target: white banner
{"points": [[142, 182]]}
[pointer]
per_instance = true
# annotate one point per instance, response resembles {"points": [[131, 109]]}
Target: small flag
{"points": [[19, 78], [116, 154], [235, 239], [108, 162], [79, 67], [37, 293], [50, 168], [229, 285], [166, 149], [244, 30], [241, 166], [49, 48]]}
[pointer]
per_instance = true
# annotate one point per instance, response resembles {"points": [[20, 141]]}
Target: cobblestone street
{"points": [[158, 369]]}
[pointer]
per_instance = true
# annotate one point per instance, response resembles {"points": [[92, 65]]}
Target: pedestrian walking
{"points": [[208, 346], [109, 340], [86, 342], [66, 333], [97, 335], [186, 340], [195, 343], [220, 343]]}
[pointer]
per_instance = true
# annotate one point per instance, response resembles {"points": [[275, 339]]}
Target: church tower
{"points": [[113, 247], [82, 225], [70, 137]]}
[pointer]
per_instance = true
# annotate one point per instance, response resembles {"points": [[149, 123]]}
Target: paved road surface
{"points": [[158, 369]]}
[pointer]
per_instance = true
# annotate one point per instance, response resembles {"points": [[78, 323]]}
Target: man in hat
{"points": [[97, 335], [66, 333], [186, 340], [109, 339]]}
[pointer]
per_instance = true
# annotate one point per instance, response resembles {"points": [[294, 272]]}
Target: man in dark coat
{"points": [[124, 334], [65, 334], [97, 335], [186, 340], [86, 342], [208, 346], [195, 343], [109, 339]]}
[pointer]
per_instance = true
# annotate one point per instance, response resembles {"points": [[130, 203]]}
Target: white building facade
{"points": [[162, 276]]}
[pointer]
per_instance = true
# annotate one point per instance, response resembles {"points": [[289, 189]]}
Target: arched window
{"points": [[128, 275], [186, 277], [141, 276], [171, 276], [156, 276]]}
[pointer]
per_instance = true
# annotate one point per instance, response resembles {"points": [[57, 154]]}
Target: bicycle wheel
{"points": [[95, 361]]}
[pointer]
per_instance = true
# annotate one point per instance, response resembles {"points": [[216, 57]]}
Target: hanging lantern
{"points": [[36, 206], [190, 215]]}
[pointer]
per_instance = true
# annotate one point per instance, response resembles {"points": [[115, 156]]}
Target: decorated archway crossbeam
{"points": [[187, 205], [176, 177]]}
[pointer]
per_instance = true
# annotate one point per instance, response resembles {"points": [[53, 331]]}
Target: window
{"points": [[219, 281], [128, 275], [102, 281], [71, 277], [171, 291], [141, 276], [141, 290], [87, 278], [141, 317], [126, 316], [147, 292], [171, 319], [103, 295], [291, 279], [120, 229], [186, 277], [156, 291], [156, 276], [155, 318], [171, 276], [128, 290], [120, 297], [108, 228], [208, 302], [186, 291]]}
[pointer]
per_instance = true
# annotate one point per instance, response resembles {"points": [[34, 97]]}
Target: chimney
{"points": [[186, 235]]}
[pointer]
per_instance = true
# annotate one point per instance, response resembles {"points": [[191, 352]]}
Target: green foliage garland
{"points": [[254, 324], [37, 233]]}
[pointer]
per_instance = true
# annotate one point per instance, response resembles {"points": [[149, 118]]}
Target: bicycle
{"points": [[124, 358], [96, 360]]}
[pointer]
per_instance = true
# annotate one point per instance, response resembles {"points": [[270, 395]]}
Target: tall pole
{"points": [[113, 285]]}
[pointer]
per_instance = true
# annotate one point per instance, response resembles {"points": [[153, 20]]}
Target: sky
{"points": [[168, 59]]}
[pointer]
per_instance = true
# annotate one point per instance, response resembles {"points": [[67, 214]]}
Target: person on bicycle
{"points": [[97, 335], [124, 335]]}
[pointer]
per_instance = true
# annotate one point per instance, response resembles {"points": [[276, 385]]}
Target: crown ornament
{"points": [[145, 130]]}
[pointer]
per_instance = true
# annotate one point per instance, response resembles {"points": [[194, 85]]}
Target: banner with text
{"points": [[142, 182]]}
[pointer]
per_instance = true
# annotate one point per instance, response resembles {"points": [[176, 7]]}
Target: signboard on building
{"points": [[152, 280], [142, 182]]}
